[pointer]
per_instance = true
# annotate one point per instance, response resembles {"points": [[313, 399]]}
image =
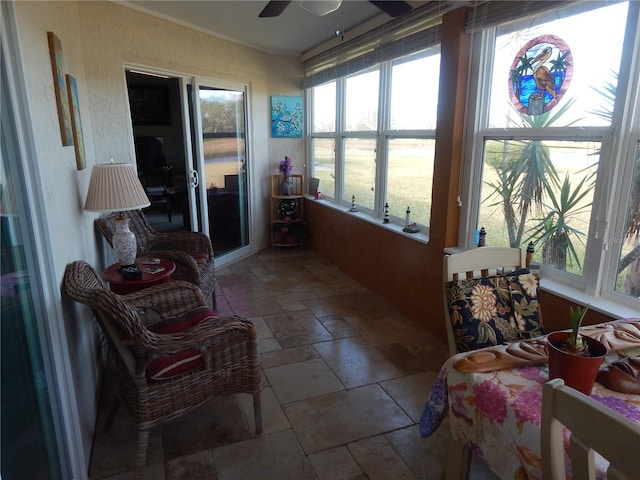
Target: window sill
{"points": [[602, 305], [418, 237]]}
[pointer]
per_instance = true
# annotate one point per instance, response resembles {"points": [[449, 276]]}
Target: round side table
{"points": [[121, 285]]}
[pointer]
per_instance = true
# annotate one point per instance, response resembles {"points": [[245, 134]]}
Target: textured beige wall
{"points": [[98, 39]]}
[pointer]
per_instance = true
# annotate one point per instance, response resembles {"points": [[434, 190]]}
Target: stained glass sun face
{"points": [[540, 74]]}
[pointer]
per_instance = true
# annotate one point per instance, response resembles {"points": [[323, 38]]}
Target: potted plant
{"points": [[573, 357], [290, 232]]}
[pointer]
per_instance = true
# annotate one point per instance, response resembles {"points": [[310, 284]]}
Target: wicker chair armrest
{"points": [[196, 242], [168, 299], [208, 337]]}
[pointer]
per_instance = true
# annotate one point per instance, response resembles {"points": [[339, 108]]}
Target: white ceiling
{"points": [[292, 33]]}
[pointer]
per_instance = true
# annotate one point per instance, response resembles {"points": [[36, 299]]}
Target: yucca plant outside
{"points": [[536, 205]]}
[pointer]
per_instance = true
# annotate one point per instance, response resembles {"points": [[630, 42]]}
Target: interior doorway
{"points": [[191, 155], [158, 135]]}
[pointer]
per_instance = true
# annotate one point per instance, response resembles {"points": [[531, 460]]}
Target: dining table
{"points": [[493, 400]]}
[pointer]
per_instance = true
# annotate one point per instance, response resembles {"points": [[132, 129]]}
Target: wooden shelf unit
{"points": [[287, 212]]}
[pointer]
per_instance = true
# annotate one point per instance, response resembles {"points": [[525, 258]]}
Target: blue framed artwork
{"points": [[286, 117], [74, 105]]}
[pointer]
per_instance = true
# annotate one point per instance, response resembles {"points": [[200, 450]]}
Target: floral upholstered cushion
{"points": [[489, 311], [525, 305]]}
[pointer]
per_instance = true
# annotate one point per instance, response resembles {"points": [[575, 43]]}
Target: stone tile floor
{"points": [[345, 378]]}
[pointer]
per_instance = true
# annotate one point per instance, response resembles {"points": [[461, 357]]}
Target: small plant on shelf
{"points": [[290, 231], [288, 209], [285, 167]]}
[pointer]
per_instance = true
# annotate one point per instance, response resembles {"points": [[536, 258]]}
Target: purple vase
{"points": [[285, 186]]}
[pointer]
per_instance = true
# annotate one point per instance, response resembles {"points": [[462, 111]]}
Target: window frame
{"points": [[618, 141], [382, 135]]}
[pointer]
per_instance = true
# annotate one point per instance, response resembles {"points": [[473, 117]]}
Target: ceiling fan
{"points": [[274, 8]]}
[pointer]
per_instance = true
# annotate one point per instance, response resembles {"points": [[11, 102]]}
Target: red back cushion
{"points": [[189, 359], [182, 322]]}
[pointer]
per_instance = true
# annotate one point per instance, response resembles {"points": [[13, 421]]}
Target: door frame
{"points": [[238, 87], [47, 305], [200, 223]]}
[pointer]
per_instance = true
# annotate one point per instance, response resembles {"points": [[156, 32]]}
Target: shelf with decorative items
{"points": [[288, 227]]}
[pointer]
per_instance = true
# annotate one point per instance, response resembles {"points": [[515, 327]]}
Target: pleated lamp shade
{"points": [[114, 187]]}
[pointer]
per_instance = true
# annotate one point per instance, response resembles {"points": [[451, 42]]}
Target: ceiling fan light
{"points": [[320, 7]]}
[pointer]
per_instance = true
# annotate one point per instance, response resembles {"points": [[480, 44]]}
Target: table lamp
{"points": [[115, 187]]}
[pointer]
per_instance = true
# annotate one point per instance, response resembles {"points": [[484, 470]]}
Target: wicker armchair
{"points": [[197, 358], [192, 252]]}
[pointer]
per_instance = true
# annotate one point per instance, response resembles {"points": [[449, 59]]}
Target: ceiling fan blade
{"points": [[393, 8], [274, 8]]}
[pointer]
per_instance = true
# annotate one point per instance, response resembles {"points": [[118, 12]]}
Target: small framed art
{"points": [[286, 117], [60, 88]]}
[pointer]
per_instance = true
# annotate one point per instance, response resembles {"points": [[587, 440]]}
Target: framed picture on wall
{"points": [[60, 89], [286, 117], [78, 140], [149, 104]]}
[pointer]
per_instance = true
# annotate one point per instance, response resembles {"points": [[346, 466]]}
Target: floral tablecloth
{"points": [[497, 414]]}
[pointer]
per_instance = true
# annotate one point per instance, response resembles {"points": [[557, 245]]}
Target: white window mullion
{"points": [[382, 158], [477, 121], [339, 138], [625, 149]]}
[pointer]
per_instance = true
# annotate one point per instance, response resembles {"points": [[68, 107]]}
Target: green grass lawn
{"points": [[410, 178]]}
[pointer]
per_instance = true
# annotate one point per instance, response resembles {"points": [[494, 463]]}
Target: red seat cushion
{"points": [[200, 258], [172, 365], [182, 322], [189, 359]]}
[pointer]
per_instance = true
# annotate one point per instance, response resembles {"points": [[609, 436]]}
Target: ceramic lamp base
{"points": [[124, 243]]}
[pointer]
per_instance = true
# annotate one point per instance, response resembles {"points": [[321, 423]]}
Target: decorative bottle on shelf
{"points": [[285, 168], [285, 186]]}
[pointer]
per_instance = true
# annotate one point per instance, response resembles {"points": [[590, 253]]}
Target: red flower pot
{"points": [[577, 371]]}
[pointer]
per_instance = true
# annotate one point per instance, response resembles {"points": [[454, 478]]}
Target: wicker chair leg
{"points": [[141, 455], [257, 412]]}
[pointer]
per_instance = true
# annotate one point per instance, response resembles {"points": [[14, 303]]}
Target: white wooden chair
{"points": [[593, 427], [475, 263]]}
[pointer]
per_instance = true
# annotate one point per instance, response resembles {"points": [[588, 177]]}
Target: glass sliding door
{"points": [[223, 164], [31, 443]]}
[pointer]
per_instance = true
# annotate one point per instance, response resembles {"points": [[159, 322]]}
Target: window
{"points": [[372, 137], [555, 112], [628, 267], [361, 123]]}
